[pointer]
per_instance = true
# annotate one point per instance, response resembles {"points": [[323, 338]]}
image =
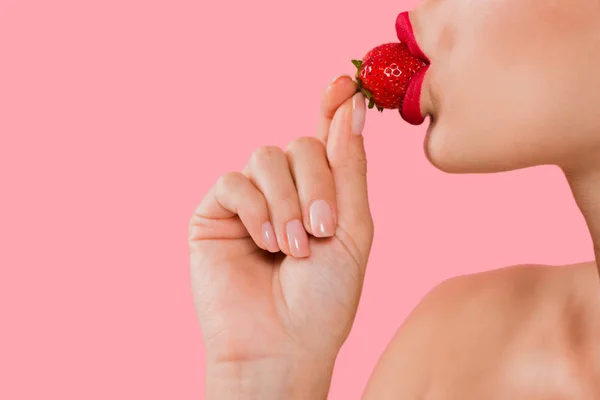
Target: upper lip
{"points": [[406, 35], [411, 106]]}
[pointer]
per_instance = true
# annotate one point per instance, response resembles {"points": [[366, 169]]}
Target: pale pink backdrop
{"points": [[116, 117]]}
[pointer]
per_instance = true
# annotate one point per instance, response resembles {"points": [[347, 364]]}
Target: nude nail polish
{"points": [[321, 219], [359, 111], [268, 237], [297, 239]]}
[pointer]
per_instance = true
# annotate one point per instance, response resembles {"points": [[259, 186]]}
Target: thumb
{"points": [[348, 163]]}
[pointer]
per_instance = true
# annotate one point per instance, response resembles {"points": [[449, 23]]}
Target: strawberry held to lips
{"points": [[384, 74]]}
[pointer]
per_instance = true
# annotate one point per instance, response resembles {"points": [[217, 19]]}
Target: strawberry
{"points": [[384, 73]]}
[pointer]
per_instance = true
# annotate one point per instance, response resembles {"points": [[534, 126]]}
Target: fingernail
{"points": [[359, 111], [268, 236], [297, 239], [321, 219], [337, 79]]}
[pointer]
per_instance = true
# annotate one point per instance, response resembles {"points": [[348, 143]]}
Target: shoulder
{"points": [[520, 289], [469, 321]]}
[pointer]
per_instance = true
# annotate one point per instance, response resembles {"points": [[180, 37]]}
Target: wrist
{"points": [[269, 379]]}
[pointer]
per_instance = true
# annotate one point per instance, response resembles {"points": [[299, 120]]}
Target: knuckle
{"points": [[257, 201], [266, 154], [360, 156], [285, 206], [284, 201], [306, 144], [197, 228], [356, 164], [361, 166], [192, 227], [228, 181], [289, 197]]}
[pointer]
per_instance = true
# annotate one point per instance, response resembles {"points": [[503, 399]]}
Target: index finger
{"points": [[340, 90]]}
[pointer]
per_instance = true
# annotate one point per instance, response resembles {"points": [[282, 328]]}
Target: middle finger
{"points": [[269, 171]]}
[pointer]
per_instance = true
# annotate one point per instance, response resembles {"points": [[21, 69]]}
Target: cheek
{"points": [[499, 104], [491, 120]]}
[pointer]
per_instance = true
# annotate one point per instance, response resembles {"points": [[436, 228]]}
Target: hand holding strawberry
{"points": [[278, 255]]}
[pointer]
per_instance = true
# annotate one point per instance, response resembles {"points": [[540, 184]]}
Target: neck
{"points": [[585, 185]]}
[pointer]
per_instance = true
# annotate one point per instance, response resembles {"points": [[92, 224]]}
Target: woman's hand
{"points": [[278, 256]]}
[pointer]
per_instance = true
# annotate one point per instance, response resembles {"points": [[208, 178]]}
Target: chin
{"points": [[444, 158], [453, 158], [478, 165], [453, 166]]}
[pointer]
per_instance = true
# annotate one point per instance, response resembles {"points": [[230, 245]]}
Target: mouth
{"points": [[411, 107]]}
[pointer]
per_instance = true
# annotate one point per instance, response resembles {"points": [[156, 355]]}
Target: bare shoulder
{"points": [[471, 323]]}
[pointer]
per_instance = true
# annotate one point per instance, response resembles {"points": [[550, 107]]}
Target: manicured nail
{"points": [[297, 239], [321, 219], [268, 236], [359, 111]]}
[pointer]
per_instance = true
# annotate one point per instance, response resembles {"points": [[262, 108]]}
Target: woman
{"points": [[279, 250]]}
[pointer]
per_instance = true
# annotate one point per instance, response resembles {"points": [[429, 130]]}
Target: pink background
{"points": [[117, 116]]}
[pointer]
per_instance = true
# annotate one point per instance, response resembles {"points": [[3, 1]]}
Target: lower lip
{"points": [[411, 107]]}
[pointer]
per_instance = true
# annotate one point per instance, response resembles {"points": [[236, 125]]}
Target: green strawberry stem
{"points": [[358, 64]]}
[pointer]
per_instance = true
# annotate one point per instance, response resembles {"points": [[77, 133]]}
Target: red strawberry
{"points": [[384, 73]]}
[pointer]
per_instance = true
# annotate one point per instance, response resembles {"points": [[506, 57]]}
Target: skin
{"points": [[524, 332], [513, 84], [274, 315]]}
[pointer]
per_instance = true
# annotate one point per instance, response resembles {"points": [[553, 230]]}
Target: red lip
{"points": [[411, 108]]}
